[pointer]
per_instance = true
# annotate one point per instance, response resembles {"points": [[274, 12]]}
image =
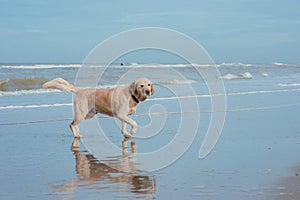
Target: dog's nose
{"points": [[147, 92]]}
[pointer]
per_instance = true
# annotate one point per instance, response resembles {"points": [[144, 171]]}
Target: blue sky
{"points": [[249, 31]]}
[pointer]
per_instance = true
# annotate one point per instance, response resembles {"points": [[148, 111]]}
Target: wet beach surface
{"points": [[255, 158]]}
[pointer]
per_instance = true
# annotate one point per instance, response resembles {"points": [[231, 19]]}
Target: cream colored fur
{"points": [[116, 102]]}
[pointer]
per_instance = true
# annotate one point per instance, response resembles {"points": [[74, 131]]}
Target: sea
{"points": [[21, 84]]}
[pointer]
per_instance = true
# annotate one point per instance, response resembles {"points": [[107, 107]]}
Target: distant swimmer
{"points": [[122, 64]]}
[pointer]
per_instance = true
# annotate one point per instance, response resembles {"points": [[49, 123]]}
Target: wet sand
{"points": [[255, 157], [288, 186]]}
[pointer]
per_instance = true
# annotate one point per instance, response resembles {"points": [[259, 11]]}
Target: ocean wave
{"points": [[227, 94], [200, 65], [289, 84], [35, 106], [136, 65], [121, 65], [263, 74], [25, 86], [22, 92], [246, 75], [279, 64], [235, 64], [40, 66], [21, 84], [262, 92], [29, 86], [157, 65], [175, 82], [159, 98]]}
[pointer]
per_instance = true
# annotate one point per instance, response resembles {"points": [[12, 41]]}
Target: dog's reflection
{"points": [[92, 172]]}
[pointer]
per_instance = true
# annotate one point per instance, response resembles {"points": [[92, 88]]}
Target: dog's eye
{"points": [[148, 84], [142, 85]]}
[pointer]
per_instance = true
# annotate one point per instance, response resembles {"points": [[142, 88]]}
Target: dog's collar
{"points": [[135, 99]]}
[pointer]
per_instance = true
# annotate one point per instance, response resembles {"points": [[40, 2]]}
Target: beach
{"points": [[256, 156]]}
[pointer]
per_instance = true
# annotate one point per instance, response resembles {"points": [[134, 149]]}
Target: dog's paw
{"points": [[78, 136], [76, 144], [126, 135]]}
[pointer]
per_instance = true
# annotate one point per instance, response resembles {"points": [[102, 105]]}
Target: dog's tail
{"points": [[60, 84]]}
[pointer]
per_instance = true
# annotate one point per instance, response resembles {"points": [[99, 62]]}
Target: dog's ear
{"points": [[152, 89], [132, 88]]}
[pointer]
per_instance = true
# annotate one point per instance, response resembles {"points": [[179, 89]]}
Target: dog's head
{"points": [[141, 88]]}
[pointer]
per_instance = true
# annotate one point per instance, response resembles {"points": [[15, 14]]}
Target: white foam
{"points": [[21, 92], [262, 92], [40, 66], [263, 74], [160, 98], [279, 64], [179, 97], [34, 106], [131, 65], [49, 66], [152, 66], [246, 75], [43, 91], [229, 77], [236, 64], [173, 82], [289, 85], [228, 94]]}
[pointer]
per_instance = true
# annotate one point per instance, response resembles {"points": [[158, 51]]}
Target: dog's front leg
{"points": [[125, 119], [124, 131]]}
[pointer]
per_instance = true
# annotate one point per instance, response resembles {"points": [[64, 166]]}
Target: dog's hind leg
{"points": [[75, 129], [90, 114], [78, 117], [81, 112]]}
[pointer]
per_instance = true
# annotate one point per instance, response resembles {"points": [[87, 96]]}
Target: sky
{"points": [[65, 31]]}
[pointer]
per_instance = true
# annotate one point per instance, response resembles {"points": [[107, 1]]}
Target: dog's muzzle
{"points": [[148, 92]]}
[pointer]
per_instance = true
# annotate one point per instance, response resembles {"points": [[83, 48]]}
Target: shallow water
{"points": [[255, 151]]}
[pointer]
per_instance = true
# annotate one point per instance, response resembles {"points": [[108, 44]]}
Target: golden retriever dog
{"points": [[119, 102]]}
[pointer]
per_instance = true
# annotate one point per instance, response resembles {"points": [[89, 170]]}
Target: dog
{"points": [[119, 102]]}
